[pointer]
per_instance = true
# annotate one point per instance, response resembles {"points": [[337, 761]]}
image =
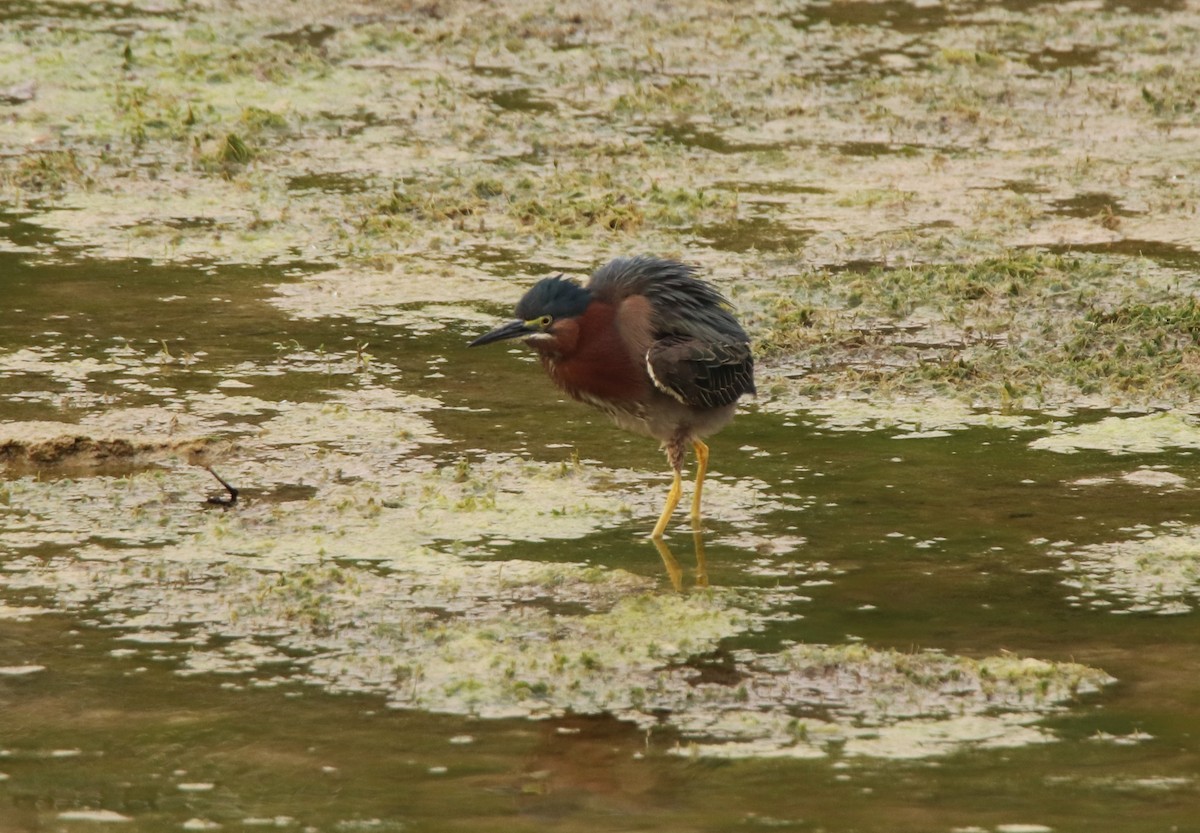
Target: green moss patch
{"points": [[1126, 435], [897, 212], [357, 563], [1157, 572]]}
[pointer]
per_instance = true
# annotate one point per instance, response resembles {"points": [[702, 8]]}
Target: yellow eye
{"points": [[544, 321]]}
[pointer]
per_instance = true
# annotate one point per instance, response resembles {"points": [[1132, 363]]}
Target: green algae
{"points": [[394, 576], [930, 417], [889, 704], [438, 194], [178, 138], [1157, 572], [1148, 434], [320, 619], [1028, 330]]}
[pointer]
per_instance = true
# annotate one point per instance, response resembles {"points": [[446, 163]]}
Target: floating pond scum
{"points": [[375, 554], [949, 577], [356, 589]]}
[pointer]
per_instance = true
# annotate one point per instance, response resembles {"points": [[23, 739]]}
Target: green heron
{"points": [[648, 343]]}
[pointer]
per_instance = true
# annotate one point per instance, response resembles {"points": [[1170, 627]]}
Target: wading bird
{"points": [[648, 343]]}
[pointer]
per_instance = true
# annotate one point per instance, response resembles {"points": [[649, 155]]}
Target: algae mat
{"points": [[951, 568]]}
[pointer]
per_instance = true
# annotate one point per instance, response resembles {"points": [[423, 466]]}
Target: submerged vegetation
{"points": [[955, 207], [1024, 331], [254, 236]]}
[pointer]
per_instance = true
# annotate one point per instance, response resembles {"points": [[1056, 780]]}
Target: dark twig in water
{"points": [[218, 500]]}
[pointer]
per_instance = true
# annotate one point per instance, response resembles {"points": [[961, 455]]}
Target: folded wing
{"points": [[701, 373]]}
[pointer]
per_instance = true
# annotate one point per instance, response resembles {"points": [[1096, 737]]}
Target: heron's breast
{"points": [[594, 364]]}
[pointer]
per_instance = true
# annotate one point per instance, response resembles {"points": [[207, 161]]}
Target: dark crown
{"points": [[556, 297]]}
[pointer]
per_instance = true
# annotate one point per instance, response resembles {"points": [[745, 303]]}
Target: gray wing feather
{"points": [[701, 374]]}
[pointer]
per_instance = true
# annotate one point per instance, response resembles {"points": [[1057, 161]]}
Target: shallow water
{"points": [[433, 606], [942, 539]]}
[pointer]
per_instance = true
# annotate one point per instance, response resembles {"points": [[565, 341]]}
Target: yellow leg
{"points": [[672, 501], [701, 468]]}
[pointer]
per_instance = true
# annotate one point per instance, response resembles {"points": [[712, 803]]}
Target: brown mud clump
{"points": [[55, 446]]}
